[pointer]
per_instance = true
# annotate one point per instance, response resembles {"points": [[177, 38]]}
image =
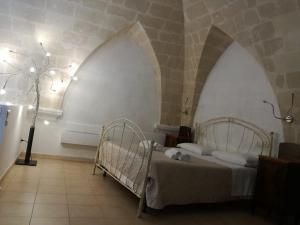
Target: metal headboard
{"points": [[234, 135]]}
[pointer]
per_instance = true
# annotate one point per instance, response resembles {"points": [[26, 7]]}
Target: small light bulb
{"points": [[40, 40], [30, 107], [2, 91], [32, 69], [75, 78], [52, 72], [46, 122], [48, 54], [72, 65]]}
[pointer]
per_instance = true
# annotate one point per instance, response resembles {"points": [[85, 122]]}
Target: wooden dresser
{"points": [[278, 183]]}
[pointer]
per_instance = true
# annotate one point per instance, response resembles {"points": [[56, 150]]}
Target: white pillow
{"points": [[242, 159], [196, 148], [147, 144]]}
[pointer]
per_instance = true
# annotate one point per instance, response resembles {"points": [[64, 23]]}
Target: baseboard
{"points": [[7, 170], [59, 157]]}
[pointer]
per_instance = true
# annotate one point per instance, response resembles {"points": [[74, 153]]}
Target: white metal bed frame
{"points": [[252, 138], [133, 136]]}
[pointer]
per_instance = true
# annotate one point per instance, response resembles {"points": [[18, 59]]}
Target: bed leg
{"points": [[141, 206], [94, 170], [104, 174]]}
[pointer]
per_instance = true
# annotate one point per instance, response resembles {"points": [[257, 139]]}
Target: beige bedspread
{"points": [[175, 182]]}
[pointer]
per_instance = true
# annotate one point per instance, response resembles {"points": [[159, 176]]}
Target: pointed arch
{"points": [[137, 33], [216, 43]]}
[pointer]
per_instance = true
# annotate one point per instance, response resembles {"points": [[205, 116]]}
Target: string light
{"points": [[2, 91], [4, 54], [37, 70], [32, 69]]}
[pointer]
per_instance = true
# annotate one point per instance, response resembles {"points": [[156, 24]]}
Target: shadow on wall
{"points": [[216, 43]]}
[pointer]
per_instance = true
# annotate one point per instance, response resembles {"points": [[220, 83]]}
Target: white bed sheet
{"points": [[243, 178]]}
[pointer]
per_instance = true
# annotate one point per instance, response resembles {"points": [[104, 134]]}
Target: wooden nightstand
{"points": [[171, 140], [184, 136], [277, 187]]}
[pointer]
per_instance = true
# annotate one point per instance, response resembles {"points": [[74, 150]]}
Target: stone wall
{"points": [[72, 29], [268, 29]]}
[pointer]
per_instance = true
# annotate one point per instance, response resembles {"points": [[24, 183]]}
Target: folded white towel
{"points": [[173, 153], [184, 157]]}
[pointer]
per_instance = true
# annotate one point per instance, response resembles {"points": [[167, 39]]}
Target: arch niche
{"points": [[220, 52], [120, 78]]}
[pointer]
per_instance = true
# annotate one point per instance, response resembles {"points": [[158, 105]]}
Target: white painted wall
{"points": [[117, 80], [9, 148], [236, 87]]}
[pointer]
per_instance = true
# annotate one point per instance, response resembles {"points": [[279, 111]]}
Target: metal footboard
{"points": [[125, 155]]}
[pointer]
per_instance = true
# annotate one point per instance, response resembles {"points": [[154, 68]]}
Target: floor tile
{"points": [[116, 222], [14, 220], [50, 211], [79, 211], [52, 181], [82, 189], [15, 209], [85, 221], [82, 199], [111, 212], [28, 187], [51, 198], [50, 221], [52, 189], [17, 197]]}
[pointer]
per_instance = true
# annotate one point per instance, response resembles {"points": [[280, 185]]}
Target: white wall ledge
{"points": [[47, 113]]}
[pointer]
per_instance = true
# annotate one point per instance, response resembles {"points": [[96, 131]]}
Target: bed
{"points": [[125, 154]]}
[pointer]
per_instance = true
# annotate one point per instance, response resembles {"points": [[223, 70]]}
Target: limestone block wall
{"points": [[71, 30], [268, 29]]}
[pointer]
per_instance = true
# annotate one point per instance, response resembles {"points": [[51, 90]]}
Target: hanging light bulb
{"points": [[2, 91], [52, 72], [32, 69], [75, 78], [30, 107], [46, 122], [73, 67], [4, 54], [48, 54]]}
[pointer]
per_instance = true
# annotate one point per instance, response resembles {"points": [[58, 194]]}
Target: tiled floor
{"points": [[65, 193]]}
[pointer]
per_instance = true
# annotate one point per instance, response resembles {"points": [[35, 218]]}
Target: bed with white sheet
{"points": [[126, 155]]}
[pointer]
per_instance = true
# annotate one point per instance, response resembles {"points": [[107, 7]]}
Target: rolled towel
{"points": [[173, 153], [184, 157]]}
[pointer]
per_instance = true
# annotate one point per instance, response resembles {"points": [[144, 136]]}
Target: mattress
{"points": [[243, 178], [171, 182], [204, 179]]}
